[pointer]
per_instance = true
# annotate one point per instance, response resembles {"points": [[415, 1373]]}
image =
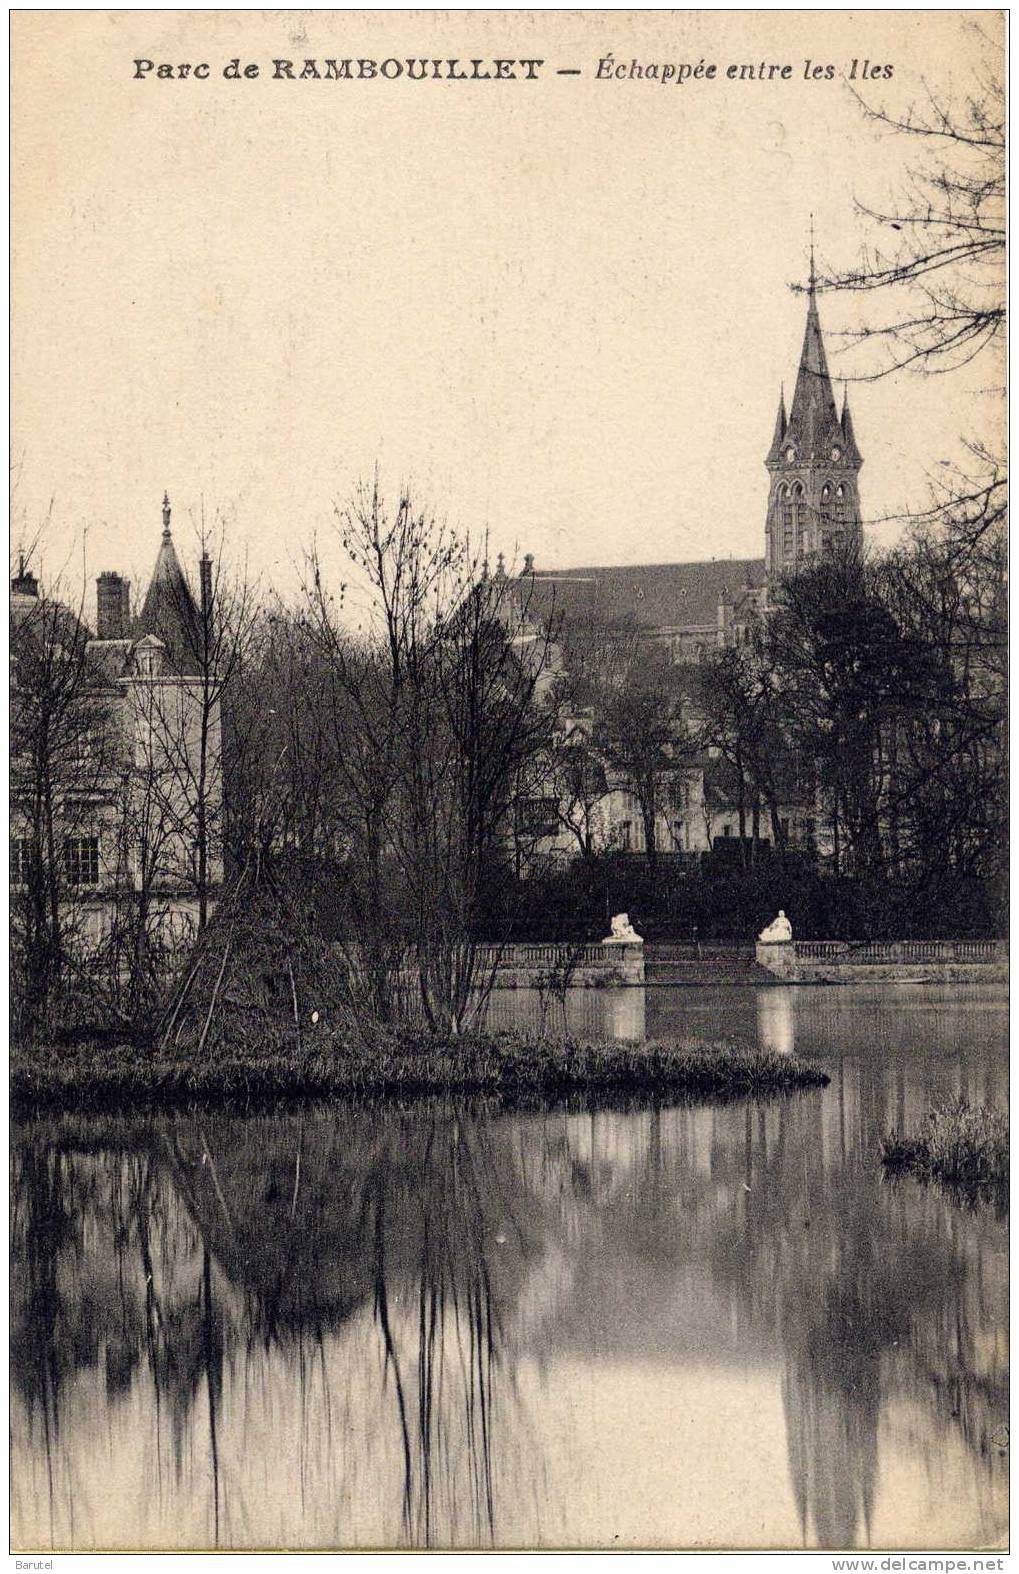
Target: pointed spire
{"points": [[852, 453], [813, 418], [781, 423]]}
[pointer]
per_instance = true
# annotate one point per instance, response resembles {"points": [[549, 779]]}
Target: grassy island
{"points": [[512, 1067], [963, 1146]]}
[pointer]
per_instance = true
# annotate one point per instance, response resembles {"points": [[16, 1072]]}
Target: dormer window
{"points": [[148, 657]]}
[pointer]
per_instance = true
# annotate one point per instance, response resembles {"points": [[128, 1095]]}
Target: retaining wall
{"points": [[596, 966], [838, 961]]}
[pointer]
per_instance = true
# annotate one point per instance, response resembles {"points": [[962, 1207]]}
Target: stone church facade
{"points": [[693, 609]]}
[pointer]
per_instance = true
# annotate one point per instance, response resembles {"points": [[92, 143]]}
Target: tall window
{"points": [[21, 860], [81, 860], [788, 524], [538, 816], [798, 545], [826, 515], [840, 510]]}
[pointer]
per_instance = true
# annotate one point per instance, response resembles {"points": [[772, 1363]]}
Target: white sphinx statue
{"points": [[779, 929], [623, 932]]}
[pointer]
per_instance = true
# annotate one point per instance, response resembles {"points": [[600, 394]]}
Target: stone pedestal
{"points": [[626, 959], [778, 956]]}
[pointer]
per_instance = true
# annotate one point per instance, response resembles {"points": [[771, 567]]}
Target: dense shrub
{"points": [[714, 898]]}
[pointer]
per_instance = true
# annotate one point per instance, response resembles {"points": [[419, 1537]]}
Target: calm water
{"points": [[713, 1326]]}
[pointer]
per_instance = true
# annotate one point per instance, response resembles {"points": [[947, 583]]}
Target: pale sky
{"points": [[560, 309]]}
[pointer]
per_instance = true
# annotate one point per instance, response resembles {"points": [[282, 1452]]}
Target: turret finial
{"points": [[166, 516]]}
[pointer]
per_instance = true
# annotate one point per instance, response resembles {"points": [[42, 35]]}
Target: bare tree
{"points": [[437, 721], [745, 719], [363, 703], [206, 647], [63, 754], [282, 779], [948, 789], [937, 269], [575, 782], [150, 862], [842, 668], [641, 730], [937, 280]]}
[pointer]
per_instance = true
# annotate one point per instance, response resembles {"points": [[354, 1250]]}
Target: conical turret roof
{"points": [[169, 609]]}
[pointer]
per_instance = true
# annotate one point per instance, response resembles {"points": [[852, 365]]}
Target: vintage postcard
{"points": [[509, 787]]}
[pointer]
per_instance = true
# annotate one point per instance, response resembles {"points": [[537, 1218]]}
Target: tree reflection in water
{"points": [[362, 1290], [308, 1223]]}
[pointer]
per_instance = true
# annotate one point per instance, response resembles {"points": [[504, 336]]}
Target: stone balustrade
{"points": [[593, 965], [813, 961]]}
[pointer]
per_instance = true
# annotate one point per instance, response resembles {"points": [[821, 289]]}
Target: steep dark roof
{"points": [[813, 425], [110, 658], [650, 595], [169, 609]]}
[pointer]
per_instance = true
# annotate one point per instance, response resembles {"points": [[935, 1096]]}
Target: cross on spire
{"points": [[813, 275]]}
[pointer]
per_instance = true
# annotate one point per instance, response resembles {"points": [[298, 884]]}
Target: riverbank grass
{"points": [[963, 1146], [513, 1067]]}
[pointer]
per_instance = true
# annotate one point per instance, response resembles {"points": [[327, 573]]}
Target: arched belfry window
{"points": [[797, 545], [840, 516], [785, 504], [826, 514]]}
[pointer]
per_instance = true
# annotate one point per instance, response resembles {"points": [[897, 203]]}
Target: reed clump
{"points": [[347, 1060], [963, 1146]]}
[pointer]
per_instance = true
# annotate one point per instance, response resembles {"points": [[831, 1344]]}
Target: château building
{"points": [[119, 823]]}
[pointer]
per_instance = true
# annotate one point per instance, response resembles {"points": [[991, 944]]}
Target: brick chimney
{"points": [[112, 606], [24, 582], [724, 616], [205, 584]]}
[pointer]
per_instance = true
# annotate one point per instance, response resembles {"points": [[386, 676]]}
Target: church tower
{"points": [[814, 498]]}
